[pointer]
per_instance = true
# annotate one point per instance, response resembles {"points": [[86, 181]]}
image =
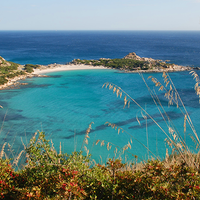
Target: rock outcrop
{"points": [[133, 56]]}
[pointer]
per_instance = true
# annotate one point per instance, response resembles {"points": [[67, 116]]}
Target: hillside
{"points": [[9, 70]]}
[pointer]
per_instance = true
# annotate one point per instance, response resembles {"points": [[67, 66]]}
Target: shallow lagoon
{"points": [[64, 104]]}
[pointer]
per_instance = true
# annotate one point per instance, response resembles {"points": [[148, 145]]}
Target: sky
{"points": [[99, 14]]}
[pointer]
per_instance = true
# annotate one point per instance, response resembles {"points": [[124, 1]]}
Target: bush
{"points": [[48, 175], [31, 65], [28, 69], [3, 80], [13, 66], [7, 180]]}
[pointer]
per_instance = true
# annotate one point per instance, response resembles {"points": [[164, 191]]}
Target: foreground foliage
{"points": [[49, 175]]}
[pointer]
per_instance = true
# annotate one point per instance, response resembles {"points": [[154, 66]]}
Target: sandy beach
{"points": [[57, 67], [40, 72], [44, 69]]}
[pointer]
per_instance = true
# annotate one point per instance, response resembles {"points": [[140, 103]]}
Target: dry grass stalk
{"points": [[115, 151], [167, 155], [16, 160], [60, 149], [85, 141], [53, 148], [3, 122], [131, 99], [188, 117], [138, 120], [196, 87], [97, 142], [184, 125], [2, 150], [23, 143], [172, 95], [108, 146], [86, 150], [102, 143], [10, 150], [131, 137], [179, 144]]}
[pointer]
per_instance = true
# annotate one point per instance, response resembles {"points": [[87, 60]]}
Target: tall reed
{"points": [[174, 139]]}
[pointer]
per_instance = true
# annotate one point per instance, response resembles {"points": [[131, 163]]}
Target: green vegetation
{"points": [[3, 80], [52, 175], [13, 66], [29, 67], [128, 64], [10, 70]]}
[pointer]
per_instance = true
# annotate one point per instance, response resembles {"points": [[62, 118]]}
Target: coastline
{"points": [[45, 69], [13, 82], [68, 67], [131, 63]]}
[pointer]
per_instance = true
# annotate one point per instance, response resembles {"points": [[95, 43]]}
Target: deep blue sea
{"points": [[64, 104]]}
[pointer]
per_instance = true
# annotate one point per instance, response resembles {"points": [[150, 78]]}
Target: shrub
{"points": [[3, 80], [7, 180], [29, 67], [13, 66]]}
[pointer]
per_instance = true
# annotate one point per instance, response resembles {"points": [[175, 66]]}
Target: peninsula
{"points": [[134, 63], [11, 73]]}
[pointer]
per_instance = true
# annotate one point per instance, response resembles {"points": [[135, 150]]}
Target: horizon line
{"points": [[96, 30]]}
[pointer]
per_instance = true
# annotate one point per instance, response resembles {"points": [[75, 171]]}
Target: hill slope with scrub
{"points": [[11, 72]]}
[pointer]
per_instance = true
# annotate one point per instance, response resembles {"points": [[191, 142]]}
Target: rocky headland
{"points": [[11, 73], [135, 63]]}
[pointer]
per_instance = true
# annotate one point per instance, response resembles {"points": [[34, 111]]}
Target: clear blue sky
{"points": [[99, 14]]}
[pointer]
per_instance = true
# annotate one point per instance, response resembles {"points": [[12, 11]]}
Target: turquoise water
{"points": [[64, 104]]}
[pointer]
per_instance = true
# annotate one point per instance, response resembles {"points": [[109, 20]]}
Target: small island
{"points": [[11, 73]]}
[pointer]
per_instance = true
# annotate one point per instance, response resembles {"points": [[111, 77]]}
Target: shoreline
{"points": [[68, 67], [45, 69]]}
